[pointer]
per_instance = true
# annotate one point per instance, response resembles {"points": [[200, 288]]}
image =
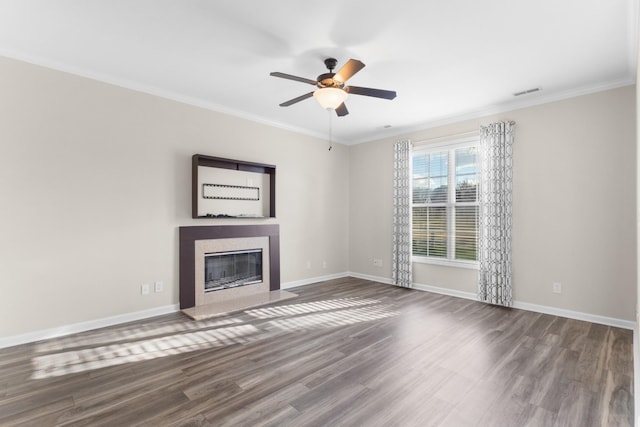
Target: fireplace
{"points": [[225, 270], [228, 268]]}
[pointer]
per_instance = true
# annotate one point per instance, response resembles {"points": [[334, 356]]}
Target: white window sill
{"points": [[446, 262]]}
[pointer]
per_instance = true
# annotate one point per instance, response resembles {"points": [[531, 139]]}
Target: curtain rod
{"points": [[447, 137]]}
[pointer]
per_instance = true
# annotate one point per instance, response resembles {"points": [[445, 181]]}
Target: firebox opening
{"points": [[224, 270]]}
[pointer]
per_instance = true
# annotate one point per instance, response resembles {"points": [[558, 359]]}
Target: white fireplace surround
{"points": [[203, 247]]}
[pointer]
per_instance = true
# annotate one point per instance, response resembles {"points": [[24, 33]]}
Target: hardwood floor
{"points": [[345, 352]]}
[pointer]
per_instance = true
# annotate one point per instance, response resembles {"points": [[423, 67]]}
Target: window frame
{"points": [[449, 145]]}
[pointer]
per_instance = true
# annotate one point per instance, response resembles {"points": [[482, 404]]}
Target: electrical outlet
{"points": [[158, 286], [308, 265], [144, 289], [377, 262], [557, 287], [324, 264]]}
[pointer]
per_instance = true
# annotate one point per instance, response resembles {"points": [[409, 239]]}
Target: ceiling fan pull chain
{"points": [[330, 130]]}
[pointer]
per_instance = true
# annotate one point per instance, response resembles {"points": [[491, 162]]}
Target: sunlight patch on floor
{"points": [[147, 342], [128, 333], [308, 307], [333, 319], [53, 365]]}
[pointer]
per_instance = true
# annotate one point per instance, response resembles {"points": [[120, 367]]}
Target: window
{"points": [[445, 202]]}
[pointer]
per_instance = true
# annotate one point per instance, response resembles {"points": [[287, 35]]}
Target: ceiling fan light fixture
{"points": [[331, 92], [330, 97]]}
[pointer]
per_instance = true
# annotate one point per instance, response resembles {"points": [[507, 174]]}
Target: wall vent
{"points": [[525, 92]]}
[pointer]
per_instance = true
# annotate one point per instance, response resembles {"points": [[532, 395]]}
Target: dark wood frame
{"points": [[218, 162], [189, 235]]}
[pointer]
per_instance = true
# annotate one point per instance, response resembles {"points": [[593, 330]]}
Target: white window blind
{"points": [[445, 202]]}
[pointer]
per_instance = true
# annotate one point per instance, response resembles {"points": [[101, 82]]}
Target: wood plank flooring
{"points": [[347, 352]]}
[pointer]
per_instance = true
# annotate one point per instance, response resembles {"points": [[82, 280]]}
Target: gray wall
{"points": [[96, 179], [574, 205]]}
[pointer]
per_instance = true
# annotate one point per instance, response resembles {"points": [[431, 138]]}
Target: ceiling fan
{"points": [[332, 92]]}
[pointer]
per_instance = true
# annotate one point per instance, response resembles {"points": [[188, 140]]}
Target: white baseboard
{"points": [[445, 291], [378, 279], [636, 373], [576, 315], [86, 326], [311, 280], [139, 315], [128, 317]]}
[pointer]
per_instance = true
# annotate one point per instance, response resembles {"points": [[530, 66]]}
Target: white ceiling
{"points": [[447, 60]]}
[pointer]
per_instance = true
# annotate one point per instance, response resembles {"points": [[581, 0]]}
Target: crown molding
{"points": [[528, 101], [538, 99]]}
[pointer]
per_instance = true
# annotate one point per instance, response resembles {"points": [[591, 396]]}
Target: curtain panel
{"points": [[494, 242], [401, 262]]}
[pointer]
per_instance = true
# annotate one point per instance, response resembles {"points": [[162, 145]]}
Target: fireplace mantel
{"points": [[189, 235]]}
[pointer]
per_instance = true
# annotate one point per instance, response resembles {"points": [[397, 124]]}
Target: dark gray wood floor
{"points": [[345, 352]]}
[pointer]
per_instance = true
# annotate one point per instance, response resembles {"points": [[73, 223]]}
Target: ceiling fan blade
{"points": [[291, 77], [367, 91], [342, 110], [298, 99], [348, 70]]}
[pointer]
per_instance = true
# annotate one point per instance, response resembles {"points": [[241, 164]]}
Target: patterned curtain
{"points": [[401, 269], [494, 242]]}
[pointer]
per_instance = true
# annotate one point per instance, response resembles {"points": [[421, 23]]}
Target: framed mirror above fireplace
{"points": [[226, 188]]}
